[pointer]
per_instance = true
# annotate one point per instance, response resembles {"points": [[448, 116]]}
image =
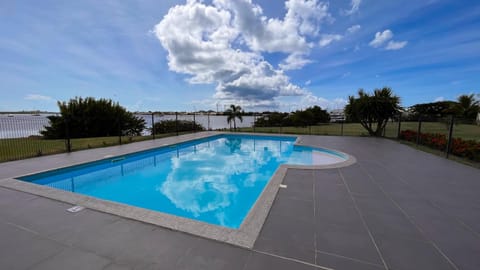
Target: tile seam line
{"points": [[63, 244], [34, 265], [247, 261], [410, 219], [292, 260], [37, 234], [348, 258], [363, 220], [449, 216]]}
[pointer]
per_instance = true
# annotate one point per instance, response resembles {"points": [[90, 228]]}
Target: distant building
{"points": [[337, 115]]}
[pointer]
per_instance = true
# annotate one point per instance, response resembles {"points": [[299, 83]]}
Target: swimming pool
{"points": [[215, 180]]}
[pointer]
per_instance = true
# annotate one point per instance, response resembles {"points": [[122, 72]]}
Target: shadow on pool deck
{"points": [[396, 208]]}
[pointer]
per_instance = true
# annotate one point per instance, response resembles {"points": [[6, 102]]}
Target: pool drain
{"points": [[75, 209]]}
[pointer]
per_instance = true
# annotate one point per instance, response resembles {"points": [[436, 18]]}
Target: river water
{"points": [[24, 125]]}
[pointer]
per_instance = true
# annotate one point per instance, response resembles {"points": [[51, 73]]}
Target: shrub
{"points": [[89, 117], [169, 126], [469, 149]]}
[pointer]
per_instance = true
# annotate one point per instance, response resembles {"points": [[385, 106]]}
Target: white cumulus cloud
{"points": [[396, 45], [381, 38], [310, 99], [222, 43], [385, 37]]}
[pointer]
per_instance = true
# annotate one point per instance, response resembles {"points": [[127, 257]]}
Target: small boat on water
{"points": [[10, 115]]}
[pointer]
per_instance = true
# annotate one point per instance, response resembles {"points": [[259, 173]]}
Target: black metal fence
{"points": [[448, 134], [20, 135]]}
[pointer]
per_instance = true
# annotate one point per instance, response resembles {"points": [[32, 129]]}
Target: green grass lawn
{"points": [[464, 131], [13, 149], [468, 132], [20, 148]]}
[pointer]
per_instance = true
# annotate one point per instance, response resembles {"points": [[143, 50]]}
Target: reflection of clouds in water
{"points": [[204, 180]]}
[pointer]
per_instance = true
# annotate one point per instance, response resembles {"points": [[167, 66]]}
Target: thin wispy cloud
{"points": [[353, 29], [396, 45], [326, 39], [295, 61], [355, 6], [37, 97]]}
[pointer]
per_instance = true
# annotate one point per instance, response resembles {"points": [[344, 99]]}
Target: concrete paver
{"points": [[396, 208]]}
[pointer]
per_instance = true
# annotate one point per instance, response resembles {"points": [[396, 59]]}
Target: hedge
{"points": [[463, 148]]}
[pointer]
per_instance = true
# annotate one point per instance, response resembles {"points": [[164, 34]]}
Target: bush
{"points": [[463, 148], [89, 117], [169, 126]]}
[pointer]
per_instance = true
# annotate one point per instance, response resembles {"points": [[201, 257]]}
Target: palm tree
{"points": [[373, 110], [234, 112], [467, 107]]}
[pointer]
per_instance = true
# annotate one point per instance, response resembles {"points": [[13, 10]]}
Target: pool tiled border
{"points": [[245, 236]]}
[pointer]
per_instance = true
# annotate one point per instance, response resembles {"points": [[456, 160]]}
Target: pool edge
{"points": [[244, 237]]}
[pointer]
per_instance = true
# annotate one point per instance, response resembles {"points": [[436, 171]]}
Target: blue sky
{"points": [[186, 55]]}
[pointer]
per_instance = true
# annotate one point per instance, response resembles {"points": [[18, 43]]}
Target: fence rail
{"points": [[450, 135], [20, 134]]}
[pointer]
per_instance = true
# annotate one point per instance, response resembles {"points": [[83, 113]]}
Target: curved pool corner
{"points": [[322, 157]]}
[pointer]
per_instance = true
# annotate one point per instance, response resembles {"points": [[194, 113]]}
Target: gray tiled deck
{"points": [[396, 208]]}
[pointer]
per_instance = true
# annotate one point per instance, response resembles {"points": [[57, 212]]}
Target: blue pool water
{"points": [[215, 180]]}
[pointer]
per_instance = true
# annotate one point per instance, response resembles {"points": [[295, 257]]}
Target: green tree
{"points": [[373, 111], [83, 118], [467, 107], [432, 111], [310, 116], [232, 113]]}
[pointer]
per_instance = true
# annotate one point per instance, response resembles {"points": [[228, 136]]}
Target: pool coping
{"points": [[245, 236]]}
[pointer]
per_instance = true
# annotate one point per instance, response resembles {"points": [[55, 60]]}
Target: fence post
{"points": [[419, 129], [399, 125], [67, 135], [194, 123], [153, 126], [450, 133], [341, 129], [208, 120], [176, 123], [119, 131], [254, 121]]}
